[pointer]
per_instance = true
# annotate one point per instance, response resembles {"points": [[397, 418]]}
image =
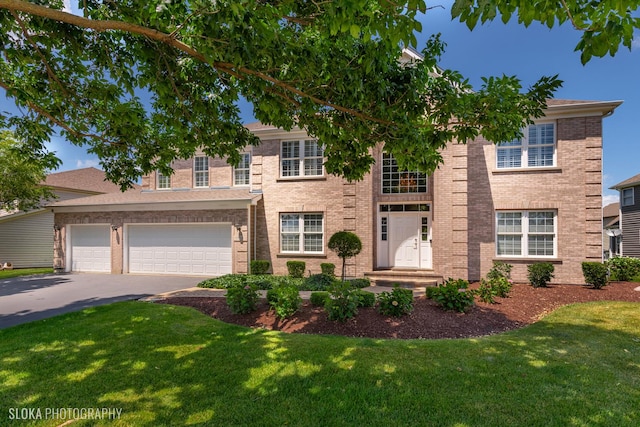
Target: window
{"points": [[301, 158], [301, 233], [526, 233], [397, 181], [201, 171], [164, 181], [627, 197], [536, 149], [242, 172]]}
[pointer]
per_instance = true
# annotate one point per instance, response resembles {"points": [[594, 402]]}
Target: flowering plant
{"points": [[396, 303]]}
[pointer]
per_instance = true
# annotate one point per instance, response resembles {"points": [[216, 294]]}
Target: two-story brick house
{"points": [[536, 199]]}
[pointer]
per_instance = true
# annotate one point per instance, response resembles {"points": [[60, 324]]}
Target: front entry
{"points": [[404, 238]]}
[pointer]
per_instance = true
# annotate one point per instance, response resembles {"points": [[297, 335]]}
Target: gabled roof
{"points": [[612, 209], [634, 180], [87, 179]]}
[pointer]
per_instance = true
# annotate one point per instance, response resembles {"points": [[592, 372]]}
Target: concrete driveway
{"points": [[29, 298]]}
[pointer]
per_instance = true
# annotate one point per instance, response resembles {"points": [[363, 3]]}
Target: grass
{"points": [[5, 274], [167, 365]]}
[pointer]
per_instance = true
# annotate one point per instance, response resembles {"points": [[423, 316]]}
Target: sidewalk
{"points": [[212, 293]]}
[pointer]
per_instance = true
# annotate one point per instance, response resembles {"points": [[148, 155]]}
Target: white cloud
{"points": [[87, 163], [607, 199], [635, 43]]}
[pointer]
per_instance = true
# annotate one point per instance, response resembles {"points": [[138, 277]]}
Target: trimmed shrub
{"points": [[328, 268], [623, 269], [259, 266], [264, 282], [360, 283], [366, 298], [595, 274], [502, 286], [319, 298], [296, 268], [499, 269], [342, 303], [318, 282], [452, 295], [346, 245], [242, 299], [396, 303], [284, 300], [540, 274]]}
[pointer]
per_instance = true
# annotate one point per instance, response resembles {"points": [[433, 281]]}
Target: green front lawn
{"points": [[167, 365], [5, 274]]}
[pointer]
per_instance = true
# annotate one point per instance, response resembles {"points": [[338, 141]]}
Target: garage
{"points": [[90, 248], [193, 249]]}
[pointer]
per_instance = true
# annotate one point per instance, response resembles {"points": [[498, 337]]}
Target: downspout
{"points": [[255, 230], [249, 237]]}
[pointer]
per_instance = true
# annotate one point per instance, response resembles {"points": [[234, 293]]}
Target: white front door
{"points": [[404, 244]]}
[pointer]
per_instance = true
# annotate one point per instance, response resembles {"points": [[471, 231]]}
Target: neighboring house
{"points": [[26, 238], [611, 230], [629, 216], [537, 199]]}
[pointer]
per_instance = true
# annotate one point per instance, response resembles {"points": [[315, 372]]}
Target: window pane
{"points": [[290, 223], [541, 245], [290, 168], [163, 181], [541, 156], [290, 149], [541, 134], [313, 242], [291, 242], [509, 245], [509, 222], [313, 223], [541, 222], [509, 157], [312, 149], [397, 181], [313, 167]]}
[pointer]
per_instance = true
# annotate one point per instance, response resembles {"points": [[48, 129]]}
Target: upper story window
{"points": [[242, 172], [537, 148], [301, 158], [164, 181], [201, 171], [526, 233], [627, 197], [396, 181]]}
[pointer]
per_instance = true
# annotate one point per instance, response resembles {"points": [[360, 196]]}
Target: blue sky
{"points": [[529, 53]]}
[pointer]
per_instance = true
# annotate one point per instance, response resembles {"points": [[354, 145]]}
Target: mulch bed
{"points": [[524, 306]]}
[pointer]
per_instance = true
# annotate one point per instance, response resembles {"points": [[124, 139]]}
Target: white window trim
{"points": [[300, 158], [633, 197], [158, 176], [248, 169], [524, 233], [524, 155], [301, 233], [196, 172]]}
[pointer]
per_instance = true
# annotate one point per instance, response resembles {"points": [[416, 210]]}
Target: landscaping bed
{"points": [[524, 306]]}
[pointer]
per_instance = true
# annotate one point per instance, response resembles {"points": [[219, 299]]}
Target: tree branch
{"points": [[107, 25]]}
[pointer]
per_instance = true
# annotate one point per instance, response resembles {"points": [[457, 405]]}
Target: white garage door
{"points": [[202, 249], [90, 248]]}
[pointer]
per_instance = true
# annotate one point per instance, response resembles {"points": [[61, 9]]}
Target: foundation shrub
{"points": [[259, 266], [360, 283], [242, 299], [284, 300], [296, 268], [595, 274], [486, 292], [540, 274], [366, 298], [499, 269], [623, 269], [319, 298], [318, 282], [342, 303], [328, 268], [397, 302], [452, 295]]}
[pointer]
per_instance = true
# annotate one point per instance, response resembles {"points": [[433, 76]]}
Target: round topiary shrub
{"points": [[346, 245]]}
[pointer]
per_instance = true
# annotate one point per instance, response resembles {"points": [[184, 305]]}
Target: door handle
{"points": [[415, 243]]}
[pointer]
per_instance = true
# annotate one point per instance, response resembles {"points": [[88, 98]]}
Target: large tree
{"points": [[21, 175], [141, 83]]}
